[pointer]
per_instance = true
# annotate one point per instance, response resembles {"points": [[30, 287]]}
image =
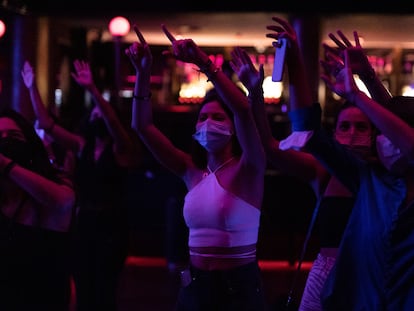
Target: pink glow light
{"points": [[119, 26], [2, 28]]}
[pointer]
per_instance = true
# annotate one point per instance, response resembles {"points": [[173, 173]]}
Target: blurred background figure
{"points": [[107, 153], [37, 208]]}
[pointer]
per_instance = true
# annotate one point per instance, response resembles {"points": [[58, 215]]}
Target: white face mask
{"points": [[390, 156], [212, 135]]}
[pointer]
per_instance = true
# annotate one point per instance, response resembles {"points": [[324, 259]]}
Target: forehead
{"points": [[352, 114], [212, 107], [8, 124]]}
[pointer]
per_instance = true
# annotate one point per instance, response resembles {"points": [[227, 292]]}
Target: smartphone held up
{"points": [[279, 64]]}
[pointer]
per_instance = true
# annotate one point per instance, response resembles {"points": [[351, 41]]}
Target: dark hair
{"points": [[85, 126], [39, 157], [198, 153], [345, 105]]}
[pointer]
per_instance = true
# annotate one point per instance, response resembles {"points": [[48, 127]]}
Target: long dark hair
{"points": [[39, 157], [198, 153]]}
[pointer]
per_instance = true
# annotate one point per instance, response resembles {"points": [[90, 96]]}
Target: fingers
{"points": [[337, 41], [77, 65], [139, 35], [330, 49], [246, 57], [356, 38], [167, 33], [347, 60], [272, 36], [344, 38], [285, 24], [283, 30]]}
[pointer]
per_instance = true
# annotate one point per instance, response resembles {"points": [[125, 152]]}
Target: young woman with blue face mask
{"points": [[224, 175], [374, 268]]}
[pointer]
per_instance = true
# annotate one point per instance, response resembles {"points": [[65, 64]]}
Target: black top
{"points": [[333, 218]]}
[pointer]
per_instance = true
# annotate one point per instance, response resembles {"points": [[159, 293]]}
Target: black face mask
{"points": [[17, 150], [98, 128]]}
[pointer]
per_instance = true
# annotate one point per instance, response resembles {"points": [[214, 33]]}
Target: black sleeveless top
{"points": [[100, 184], [34, 267], [333, 218]]}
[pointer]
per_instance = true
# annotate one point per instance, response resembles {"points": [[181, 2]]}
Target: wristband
{"points": [[208, 71], [8, 168]]}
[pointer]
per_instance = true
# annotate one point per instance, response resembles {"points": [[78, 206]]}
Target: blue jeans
{"points": [[238, 289]]}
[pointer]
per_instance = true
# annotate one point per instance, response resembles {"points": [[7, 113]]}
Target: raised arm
{"points": [[390, 125], [359, 64], [123, 143], [188, 51], [300, 94], [160, 146], [298, 164], [45, 121]]}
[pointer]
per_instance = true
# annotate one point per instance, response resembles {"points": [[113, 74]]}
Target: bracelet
{"points": [[50, 128], [8, 168], [211, 74], [148, 97], [206, 69]]}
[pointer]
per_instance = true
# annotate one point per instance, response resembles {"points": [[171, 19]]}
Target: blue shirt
{"points": [[374, 269]]}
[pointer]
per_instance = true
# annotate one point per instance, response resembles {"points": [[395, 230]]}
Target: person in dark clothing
{"points": [[107, 151], [37, 204], [351, 129], [373, 269]]}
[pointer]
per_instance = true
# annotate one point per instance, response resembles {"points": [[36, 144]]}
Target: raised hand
{"points": [[83, 74], [28, 74], [139, 53], [332, 64], [359, 62], [244, 68], [342, 83], [185, 50], [284, 30]]}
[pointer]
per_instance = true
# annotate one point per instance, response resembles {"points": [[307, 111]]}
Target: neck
{"points": [[215, 164]]}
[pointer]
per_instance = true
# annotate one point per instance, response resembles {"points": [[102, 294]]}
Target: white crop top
{"points": [[217, 218]]}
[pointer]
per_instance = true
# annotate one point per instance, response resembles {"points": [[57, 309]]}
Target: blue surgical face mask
{"points": [[213, 135], [390, 156]]}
